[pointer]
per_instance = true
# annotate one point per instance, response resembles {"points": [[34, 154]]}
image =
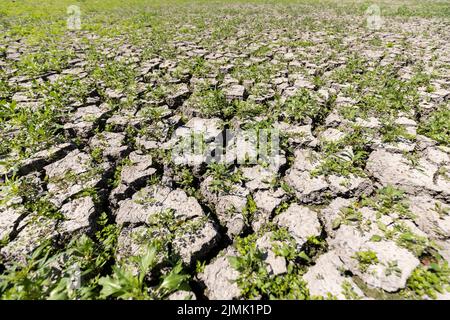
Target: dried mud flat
{"points": [[92, 205]]}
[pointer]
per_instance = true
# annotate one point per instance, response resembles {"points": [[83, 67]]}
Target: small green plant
{"points": [[250, 209], [223, 178], [287, 188], [115, 181], [123, 284], [387, 200], [285, 246], [441, 210], [444, 173], [256, 282], [72, 273], [349, 292], [97, 155], [437, 126], [366, 259], [407, 239], [392, 132], [43, 207], [303, 106], [186, 180], [106, 236], [347, 215], [341, 165], [393, 269], [248, 109], [315, 246], [212, 103], [28, 281], [200, 266]]}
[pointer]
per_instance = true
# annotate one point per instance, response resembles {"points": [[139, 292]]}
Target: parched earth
{"points": [[93, 205]]}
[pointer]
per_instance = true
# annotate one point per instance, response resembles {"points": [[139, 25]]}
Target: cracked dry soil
{"points": [[92, 205]]}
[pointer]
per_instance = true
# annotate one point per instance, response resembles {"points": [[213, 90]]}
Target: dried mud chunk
{"points": [[72, 174], [152, 200], [326, 278], [394, 169], [301, 222], [220, 278]]}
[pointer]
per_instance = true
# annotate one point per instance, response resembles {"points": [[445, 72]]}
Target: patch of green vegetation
{"points": [[256, 282], [283, 206], [350, 112], [444, 173], [52, 59], [36, 129], [392, 132], [115, 181], [347, 215], [303, 106], [366, 259], [405, 238], [124, 284], [44, 208], [31, 200], [261, 51], [97, 155], [71, 177], [257, 72], [285, 245], [314, 247], [212, 103], [375, 41], [351, 72], [302, 43], [200, 266], [347, 156], [441, 210], [186, 179], [249, 109], [223, 177], [10, 188], [69, 273], [343, 164], [75, 272], [429, 281], [115, 75], [154, 113], [388, 200], [156, 94], [250, 209], [416, 244], [349, 292], [437, 127], [377, 92]]}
